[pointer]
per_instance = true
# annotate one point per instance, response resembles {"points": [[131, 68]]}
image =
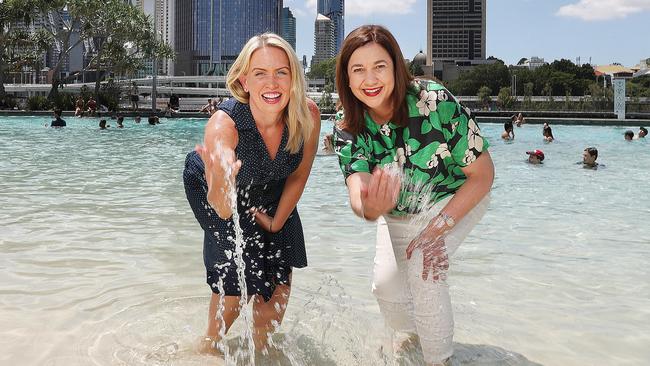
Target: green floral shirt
{"points": [[441, 137]]}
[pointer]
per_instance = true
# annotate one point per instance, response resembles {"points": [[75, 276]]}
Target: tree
{"points": [[505, 98], [548, 92], [18, 47], [326, 103], [484, 94], [122, 38], [522, 61], [495, 76], [567, 99], [324, 70], [528, 94], [415, 69], [125, 39]]}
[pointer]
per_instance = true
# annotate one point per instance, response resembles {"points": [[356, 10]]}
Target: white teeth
{"points": [[271, 95], [371, 91]]}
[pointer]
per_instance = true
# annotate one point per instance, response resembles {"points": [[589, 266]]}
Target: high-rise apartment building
{"points": [[289, 27], [455, 33], [324, 42], [335, 11], [456, 29], [209, 34]]}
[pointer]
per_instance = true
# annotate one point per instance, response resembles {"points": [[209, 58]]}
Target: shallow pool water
{"points": [[101, 256]]}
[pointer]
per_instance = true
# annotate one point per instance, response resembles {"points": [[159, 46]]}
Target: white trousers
{"points": [[408, 303]]}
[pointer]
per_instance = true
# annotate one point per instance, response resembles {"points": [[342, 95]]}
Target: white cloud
{"points": [[593, 10], [311, 5], [365, 7]]}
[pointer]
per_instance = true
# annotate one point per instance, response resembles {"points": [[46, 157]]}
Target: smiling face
{"points": [[372, 78], [268, 80]]}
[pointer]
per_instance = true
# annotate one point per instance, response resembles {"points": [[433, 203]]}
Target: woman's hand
{"points": [[431, 242], [264, 220], [379, 196], [221, 168]]}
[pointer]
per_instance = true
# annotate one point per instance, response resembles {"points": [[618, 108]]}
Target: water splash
{"points": [[246, 339]]}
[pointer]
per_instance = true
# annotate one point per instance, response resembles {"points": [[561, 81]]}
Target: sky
{"points": [[605, 31]]}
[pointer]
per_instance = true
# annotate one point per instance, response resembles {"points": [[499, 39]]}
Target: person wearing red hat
{"points": [[535, 156]]}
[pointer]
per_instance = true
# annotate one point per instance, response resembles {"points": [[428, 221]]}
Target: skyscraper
{"points": [[209, 34], [324, 43], [455, 30], [289, 27], [162, 11], [335, 10]]}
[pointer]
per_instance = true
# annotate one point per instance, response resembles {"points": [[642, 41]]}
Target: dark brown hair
{"points": [[354, 109]]}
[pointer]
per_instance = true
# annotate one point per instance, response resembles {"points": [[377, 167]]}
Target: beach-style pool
{"points": [[101, 256]]}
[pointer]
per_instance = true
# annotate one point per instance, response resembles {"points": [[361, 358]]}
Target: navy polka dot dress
{"points": [[269, 257]]}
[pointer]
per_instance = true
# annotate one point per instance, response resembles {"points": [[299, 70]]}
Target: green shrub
{"points": [[8, 102], [38, 103], [64, 101]]}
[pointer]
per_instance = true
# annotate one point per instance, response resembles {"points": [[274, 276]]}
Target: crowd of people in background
{"points": [[59, 122], [589, 156], [212, 105]]}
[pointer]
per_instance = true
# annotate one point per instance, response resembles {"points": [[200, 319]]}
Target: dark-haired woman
{"points": [[547, 132], [414, 160]]}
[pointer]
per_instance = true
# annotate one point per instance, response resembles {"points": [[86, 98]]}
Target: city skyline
{"points": [[554, 29], [207, 41], [334, 10]]}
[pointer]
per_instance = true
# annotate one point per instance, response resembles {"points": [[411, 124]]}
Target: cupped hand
{"points": [[380, 195]]}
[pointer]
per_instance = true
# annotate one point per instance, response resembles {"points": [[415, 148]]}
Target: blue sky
{"points": [[605, 30]]}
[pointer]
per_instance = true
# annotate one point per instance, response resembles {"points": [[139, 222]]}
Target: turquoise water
{"points": [[101, 255]]}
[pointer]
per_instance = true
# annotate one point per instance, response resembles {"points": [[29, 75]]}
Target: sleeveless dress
{"points": [[269, 257]]}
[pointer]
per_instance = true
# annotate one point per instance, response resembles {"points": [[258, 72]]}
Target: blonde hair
{"points": [[296, 114]]}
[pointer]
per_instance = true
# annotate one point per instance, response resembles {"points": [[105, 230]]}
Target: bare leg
{"points": [[230, 314], [267, 316]]}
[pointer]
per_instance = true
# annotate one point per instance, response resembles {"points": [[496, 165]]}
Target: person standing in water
{"points": [[547, 132], [392, 123], [267, 136], [508, 129]]}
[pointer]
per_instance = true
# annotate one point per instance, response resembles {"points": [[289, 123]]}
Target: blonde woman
{"points": [[264, 140]]}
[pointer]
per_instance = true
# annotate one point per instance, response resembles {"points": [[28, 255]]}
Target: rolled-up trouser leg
{"points": [[408, 303]]}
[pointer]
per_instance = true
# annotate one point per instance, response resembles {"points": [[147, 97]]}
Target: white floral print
{"points": [[400, 158], [443, 151], [385, 130], [409, 150], [433, 162], [474, 142], [442, 96], [427, 102]]}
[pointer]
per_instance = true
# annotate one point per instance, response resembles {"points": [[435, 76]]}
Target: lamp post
{"points": [[154, 81]]}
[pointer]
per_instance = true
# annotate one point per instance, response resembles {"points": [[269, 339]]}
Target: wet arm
{"points": [[480, 175], [219, 131]]}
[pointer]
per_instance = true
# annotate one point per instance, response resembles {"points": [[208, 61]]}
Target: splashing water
{"points": [[246, 340]]}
